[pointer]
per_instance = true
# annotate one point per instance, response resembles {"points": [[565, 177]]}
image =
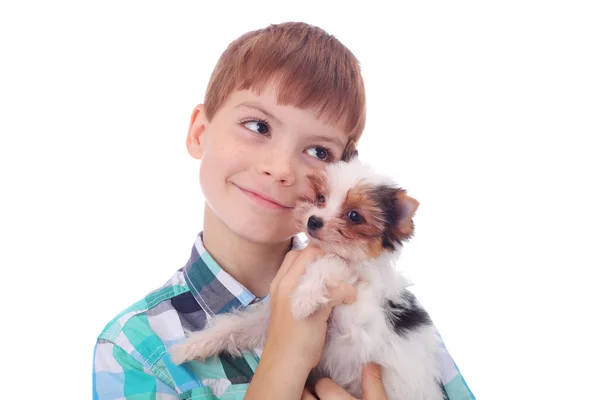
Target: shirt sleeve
{"points": [[118, 375], [452, 380]]}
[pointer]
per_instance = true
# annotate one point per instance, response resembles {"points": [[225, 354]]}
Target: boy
{"points": [[282, 102]]}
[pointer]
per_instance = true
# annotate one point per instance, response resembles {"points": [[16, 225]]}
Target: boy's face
{"points": [[256, 159]]}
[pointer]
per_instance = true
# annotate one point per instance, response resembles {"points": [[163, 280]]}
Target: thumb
{"points": [[372, 383]]}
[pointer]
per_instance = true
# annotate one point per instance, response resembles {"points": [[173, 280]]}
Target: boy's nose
{"points": [[280, 169]]}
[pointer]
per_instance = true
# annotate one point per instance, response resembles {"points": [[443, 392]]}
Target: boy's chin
{"points": [[266, 235]]}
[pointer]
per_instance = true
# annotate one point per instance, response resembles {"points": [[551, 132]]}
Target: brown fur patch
{"points": [[387, 213], [369, 232], [375, 247], [319, 186], [361, 199]]}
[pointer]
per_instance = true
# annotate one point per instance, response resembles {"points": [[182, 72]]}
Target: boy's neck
{"points": [[252, 264]]}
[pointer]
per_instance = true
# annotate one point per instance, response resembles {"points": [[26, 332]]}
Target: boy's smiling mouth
{"points": [[263, 199]]}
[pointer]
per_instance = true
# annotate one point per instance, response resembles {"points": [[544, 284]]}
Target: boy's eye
{"points": [[318, 153], [257, 126]]}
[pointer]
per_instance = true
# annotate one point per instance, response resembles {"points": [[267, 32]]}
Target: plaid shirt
{"points": [[131, 357]]}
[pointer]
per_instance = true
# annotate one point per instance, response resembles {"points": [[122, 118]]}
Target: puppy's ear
{"points": [[406, 207], [350, 152]]}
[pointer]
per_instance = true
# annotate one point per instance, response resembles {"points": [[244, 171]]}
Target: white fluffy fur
{"points": [[359, 333]]}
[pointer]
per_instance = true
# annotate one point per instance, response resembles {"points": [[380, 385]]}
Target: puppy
{"points": [[361, 220]]}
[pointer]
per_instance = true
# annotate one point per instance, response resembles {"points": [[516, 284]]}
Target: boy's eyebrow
{"points": [[250, 104], [331, 140]]}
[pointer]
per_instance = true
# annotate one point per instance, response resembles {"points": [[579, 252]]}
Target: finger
{"points": [[307, 256], [289, 260], [327, 389], [307, 395], [341, 293], [372, 382]]}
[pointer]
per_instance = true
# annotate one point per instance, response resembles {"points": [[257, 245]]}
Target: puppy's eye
{"points": [[354, 217], [320, 199]]}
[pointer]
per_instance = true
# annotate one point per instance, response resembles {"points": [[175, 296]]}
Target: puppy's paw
{"points": [[202, 345], [307, 300], [181, 353]]}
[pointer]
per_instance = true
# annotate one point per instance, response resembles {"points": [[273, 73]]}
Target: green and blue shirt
{"points": [[131, 356]]}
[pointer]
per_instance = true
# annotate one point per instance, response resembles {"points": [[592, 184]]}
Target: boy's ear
{"points": [[195, 137]]}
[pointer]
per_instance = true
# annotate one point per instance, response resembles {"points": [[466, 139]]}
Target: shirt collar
{"points": [[214, 289]]}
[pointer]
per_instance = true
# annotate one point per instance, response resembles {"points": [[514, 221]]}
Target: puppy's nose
{"points": [[314, 223]]}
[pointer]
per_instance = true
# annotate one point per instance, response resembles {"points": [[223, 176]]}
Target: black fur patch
{"points": [[407, 316]]}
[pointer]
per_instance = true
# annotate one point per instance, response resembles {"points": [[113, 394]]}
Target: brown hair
{"points": [[312, 69]]}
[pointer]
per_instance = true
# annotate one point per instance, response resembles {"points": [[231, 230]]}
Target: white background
{"points": [[487, 112]]}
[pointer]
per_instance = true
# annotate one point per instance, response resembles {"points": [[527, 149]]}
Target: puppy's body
{"points": [[387, 326], [361, 220]]}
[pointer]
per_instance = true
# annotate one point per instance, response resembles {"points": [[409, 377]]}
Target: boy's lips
{"points": [[263, 199]]}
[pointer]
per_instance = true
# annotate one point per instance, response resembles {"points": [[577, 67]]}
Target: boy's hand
{"points": [[372, 387], [293, 346], [303, 338]]}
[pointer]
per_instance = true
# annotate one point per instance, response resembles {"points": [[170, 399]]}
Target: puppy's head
{"points": [[356, 213]]}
